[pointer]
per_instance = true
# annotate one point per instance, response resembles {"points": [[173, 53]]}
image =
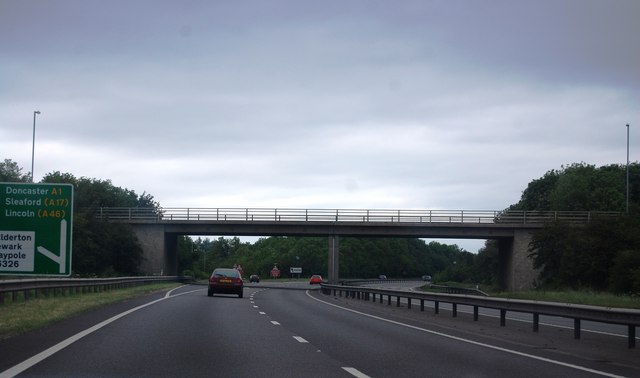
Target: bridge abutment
{"points": [[516, 271], [159, 249]]}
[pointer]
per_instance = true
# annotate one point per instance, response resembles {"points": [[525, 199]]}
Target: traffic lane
{"points": [[380, 348], [190, 335]]}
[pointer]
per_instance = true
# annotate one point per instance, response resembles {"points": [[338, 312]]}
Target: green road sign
{"points": [[35, 229]]}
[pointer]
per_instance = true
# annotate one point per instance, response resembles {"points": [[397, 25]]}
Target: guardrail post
{"points": [[475, 313], [503, 318], [409, 303], [576, 328], [436, 307], [632, 336], [422, 305], [536, 322], [398, 301], [454, 310], [389, 300]]}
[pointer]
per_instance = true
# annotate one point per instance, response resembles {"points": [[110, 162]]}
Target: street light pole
{"points": [[627, 168], [33, 143]]}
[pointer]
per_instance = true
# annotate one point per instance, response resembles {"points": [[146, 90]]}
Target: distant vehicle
{"points": [[315, 279], [426, 278], [254, 278], [225, 281], [382, 277]]}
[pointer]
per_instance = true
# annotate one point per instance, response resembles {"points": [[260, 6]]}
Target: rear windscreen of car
{"points": [[226, 273]]}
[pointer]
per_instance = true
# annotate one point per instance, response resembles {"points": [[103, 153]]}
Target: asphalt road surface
{"points": [[300, 333]]}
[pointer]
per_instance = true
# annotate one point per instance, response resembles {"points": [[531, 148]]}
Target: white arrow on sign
{"points": [[62, 259]]}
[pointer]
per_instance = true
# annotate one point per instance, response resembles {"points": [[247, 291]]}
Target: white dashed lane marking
{"points": [[353, 371]]}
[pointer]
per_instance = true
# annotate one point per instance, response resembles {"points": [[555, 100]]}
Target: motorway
{"points": [[295, 332]]}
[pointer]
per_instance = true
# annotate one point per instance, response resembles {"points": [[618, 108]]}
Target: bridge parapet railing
{"points": [[345, 215]]}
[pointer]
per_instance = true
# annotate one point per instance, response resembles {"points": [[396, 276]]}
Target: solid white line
{"points": [[26, 364], [274, 322], [469, 341], [262, 313], [300, 339], [170, 292], [355, 372]]}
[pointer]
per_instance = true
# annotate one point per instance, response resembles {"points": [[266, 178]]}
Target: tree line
{"points": [[359, 257], [602, 255]]}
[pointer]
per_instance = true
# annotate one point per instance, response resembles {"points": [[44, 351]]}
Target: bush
{"points": [[624, 275]]}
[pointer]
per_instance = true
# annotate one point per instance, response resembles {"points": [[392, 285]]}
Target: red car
{"points": [[225, 281], [315, 279]]}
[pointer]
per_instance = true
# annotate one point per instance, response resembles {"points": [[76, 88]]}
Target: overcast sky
{"points": [[320, 104]]}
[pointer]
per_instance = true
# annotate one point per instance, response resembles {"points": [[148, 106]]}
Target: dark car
{"points": [[254, 278], [225, 281]]}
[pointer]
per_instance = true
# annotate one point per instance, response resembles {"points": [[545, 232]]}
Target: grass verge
{"points": [[20, 317], [565, 296], [575, 297]]}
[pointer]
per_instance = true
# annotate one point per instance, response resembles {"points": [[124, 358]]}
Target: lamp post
{"points": [[627, 168], [33, 143]]}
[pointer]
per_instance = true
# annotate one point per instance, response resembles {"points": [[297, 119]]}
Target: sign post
{"points": [[36, 223], [295, 270]]}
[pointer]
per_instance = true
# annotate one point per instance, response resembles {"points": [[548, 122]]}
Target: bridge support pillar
{"points": [[516, 270], [159, 249], [334, 256]]}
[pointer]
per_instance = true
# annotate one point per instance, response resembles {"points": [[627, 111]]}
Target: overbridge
{"points": [[158, 230]]}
